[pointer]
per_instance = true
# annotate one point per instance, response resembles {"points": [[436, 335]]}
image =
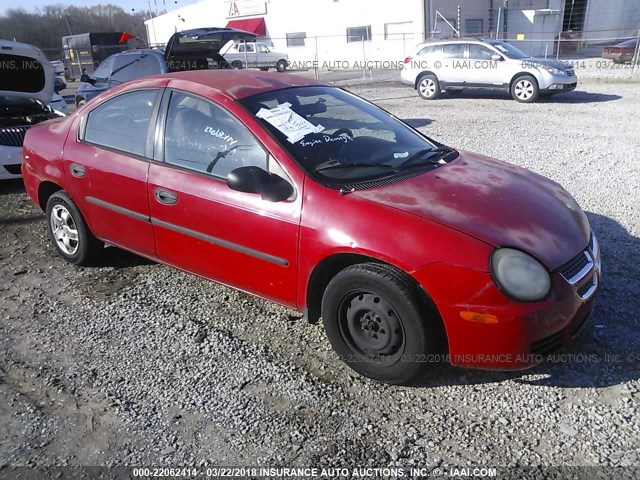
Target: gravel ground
{"points": [[133, 363]]}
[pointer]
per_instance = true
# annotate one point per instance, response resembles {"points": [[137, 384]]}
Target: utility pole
{"points": [[66, 17]]}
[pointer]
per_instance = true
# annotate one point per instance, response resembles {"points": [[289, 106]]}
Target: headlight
{"points": [[555, 71], [519, 275]]}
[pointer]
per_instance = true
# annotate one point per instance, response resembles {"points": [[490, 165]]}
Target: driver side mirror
{"points": [[496, 58], [87, 79], [273, 188]]}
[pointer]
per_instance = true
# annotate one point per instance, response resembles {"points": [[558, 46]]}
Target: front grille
{"points": [[577, 268], [13, 169], [570, 72], [12, 136]]}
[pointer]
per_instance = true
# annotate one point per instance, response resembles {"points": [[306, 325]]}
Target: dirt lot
{"points": [[131, 362]]}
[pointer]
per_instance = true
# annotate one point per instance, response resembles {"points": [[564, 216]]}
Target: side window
{"points": [[453, 50], [202, 136], [250, 48], [263, 49], [479, 52], [122, 123]]}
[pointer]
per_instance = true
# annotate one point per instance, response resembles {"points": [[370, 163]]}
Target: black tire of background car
{"points": [[433, 78], [89, 247], [281, 65], [420, 324], [237, 65], [264, 69], [536, 91]]}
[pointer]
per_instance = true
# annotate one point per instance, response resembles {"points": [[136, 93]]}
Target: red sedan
{"points": [[309, 196]]}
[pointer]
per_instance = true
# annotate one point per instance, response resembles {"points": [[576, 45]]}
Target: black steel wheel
{"points": [[378, 324]]}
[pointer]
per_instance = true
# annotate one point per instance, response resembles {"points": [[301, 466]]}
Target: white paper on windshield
{"points": [[288, 122]]}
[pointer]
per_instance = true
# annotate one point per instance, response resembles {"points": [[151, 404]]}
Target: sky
{"points": [[127, 5]]}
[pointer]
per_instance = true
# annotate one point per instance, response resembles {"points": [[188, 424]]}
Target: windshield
{"points": [[338, 138], [508, 50]]}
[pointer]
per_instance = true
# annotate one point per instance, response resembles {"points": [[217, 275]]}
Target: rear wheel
{"points": [[281, 65], [429, 87], [377, 324], [69, 232], [525, 89]]}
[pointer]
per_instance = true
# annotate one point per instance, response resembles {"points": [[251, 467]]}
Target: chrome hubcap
{"points": [[524, 89], [64, 230], [427, 87]]}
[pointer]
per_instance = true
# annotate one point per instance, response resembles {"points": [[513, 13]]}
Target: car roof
{"points": [[146, 51], [431, 41], [239, 84]]}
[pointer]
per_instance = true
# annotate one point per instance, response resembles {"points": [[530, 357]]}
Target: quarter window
{"points": [[122, 123], [201, 136]]}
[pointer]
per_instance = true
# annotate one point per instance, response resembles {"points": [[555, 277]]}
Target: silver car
{"points": [[456, 65], [254, 55]]}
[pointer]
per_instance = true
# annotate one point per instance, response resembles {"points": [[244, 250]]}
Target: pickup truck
{"points": [[254, 55]]}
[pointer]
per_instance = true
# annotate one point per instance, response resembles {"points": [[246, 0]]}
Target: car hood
{"points": [[31, 74], [495, 202]]}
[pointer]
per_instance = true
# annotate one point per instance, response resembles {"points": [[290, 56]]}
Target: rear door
{"points": [[203, 226], [107, 167]]}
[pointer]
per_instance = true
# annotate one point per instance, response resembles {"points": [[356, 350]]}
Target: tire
{"points": [[237, 65], [264, 69], [377, 324], [428, 87], [525, 89], [281, 65], [81, 103], [69, 232]]}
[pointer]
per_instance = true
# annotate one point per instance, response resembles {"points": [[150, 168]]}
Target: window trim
{"points": [[148, 153], [299, 36], [161, 126]]}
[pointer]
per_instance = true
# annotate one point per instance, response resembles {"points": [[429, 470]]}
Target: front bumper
{"points": [[10, 162], [520, 334], [554, 84]]}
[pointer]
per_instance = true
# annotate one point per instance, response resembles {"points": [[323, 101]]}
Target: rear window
{"points": [[21, 74]]}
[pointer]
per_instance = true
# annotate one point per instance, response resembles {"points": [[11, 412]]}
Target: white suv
{"points": [[456, 65], [26, 89]]}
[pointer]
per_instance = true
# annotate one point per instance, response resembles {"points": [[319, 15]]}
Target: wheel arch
{"points": [[45, 190], [421, 75], [329, 268], [523, 74]]}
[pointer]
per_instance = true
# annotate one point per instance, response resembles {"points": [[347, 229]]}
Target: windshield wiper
{"points": [[427, 155], [340, 166]]}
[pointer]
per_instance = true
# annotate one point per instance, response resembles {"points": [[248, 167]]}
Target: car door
{"points": [[203, 226], [107, 165], [451, 69], [266, 58], [484, 71]]}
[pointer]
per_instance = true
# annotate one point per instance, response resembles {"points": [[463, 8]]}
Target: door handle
{"points": [[77, 170], [165, 197]]}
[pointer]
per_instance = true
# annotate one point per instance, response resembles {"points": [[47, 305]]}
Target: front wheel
{"points": [[429, 87], [281, 66], [69, 232], [377, 324], [525, 89], [237, 65]]}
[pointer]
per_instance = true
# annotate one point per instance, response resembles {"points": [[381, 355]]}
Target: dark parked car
{"points": [[623, 52], [119, 68], [307, 195]]}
